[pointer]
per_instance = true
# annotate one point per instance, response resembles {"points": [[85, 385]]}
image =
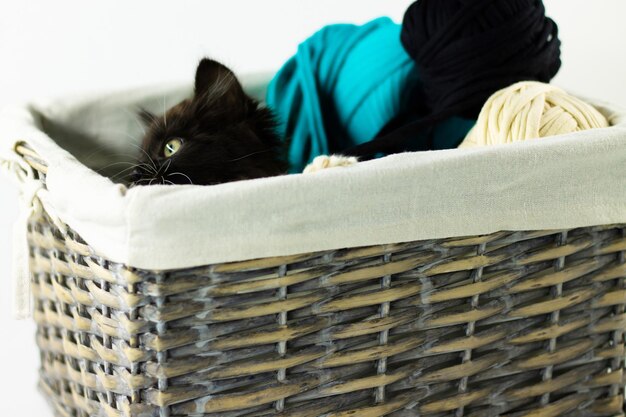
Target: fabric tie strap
{"points": [[30, 190]]}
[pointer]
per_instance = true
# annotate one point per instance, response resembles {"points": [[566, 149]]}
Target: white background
{"points": [[52, 48]]}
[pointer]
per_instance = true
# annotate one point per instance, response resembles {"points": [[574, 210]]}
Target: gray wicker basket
{"points": [[512, 323]]}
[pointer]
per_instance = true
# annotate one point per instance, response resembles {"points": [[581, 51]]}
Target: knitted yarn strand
{"points": [[466, 50], [530, 110], [345, 83]]}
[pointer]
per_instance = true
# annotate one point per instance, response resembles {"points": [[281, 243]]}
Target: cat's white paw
{"points": [[329, 161]]}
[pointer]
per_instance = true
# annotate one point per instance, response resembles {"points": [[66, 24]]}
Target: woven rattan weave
{"points": [[513, 323]]}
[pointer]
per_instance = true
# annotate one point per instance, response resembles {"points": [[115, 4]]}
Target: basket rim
{"points": [[570, 181]]}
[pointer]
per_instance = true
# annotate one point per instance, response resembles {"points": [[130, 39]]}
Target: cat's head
{"points": [[219, 135]]}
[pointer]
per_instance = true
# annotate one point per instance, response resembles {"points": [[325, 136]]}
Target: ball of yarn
{"points": [[465, 50], [531, 110], [468, 49], [341, 87]]}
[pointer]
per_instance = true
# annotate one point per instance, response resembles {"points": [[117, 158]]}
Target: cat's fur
{"points": [[226, 135]]}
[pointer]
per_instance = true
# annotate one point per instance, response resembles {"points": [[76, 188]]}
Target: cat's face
{"points": [[218, 135]]}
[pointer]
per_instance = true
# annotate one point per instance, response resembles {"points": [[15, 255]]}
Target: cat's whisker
{"points": [[180, 173], [135, 183], [164, 181], [148, 168], [248, 155], [167, 166], [149, 158], [164, 113], [115, 154], [134, 139], [122, 172], [132, 164], [132, 157], [114, 164], [134, 117], [128, 135], [110, 153], [94, 152], [128, 169]]}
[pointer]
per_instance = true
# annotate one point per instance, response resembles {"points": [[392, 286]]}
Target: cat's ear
{"points": [[217, 81], [146, 117]]}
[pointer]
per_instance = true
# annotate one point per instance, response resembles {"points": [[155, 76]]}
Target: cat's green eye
{"points": [[172, 146]]}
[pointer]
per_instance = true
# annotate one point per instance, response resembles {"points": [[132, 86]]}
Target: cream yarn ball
{"points": [[531, 110]]}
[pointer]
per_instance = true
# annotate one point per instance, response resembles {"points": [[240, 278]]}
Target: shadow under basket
{"points": [[512, 323]]}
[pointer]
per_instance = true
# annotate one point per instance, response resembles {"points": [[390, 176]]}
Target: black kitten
{"points": [[218, 135]]}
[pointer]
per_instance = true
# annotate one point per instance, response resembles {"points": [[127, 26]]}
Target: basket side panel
{"points": [[88, 327], [519, 323], [512, 323]]}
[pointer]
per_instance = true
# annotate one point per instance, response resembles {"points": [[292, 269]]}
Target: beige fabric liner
{"points": [[573, 180]]}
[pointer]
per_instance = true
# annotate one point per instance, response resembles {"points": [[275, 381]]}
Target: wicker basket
{"points": [[512, 323]]}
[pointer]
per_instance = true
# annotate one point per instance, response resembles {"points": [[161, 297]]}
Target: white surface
{"points": [[55, 48]]}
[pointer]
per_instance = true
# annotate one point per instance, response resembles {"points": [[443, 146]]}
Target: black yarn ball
{"points": [[468, 49], [465, 51]]}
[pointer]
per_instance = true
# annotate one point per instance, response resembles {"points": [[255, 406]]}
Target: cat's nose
{"points": [[135, 175]]}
